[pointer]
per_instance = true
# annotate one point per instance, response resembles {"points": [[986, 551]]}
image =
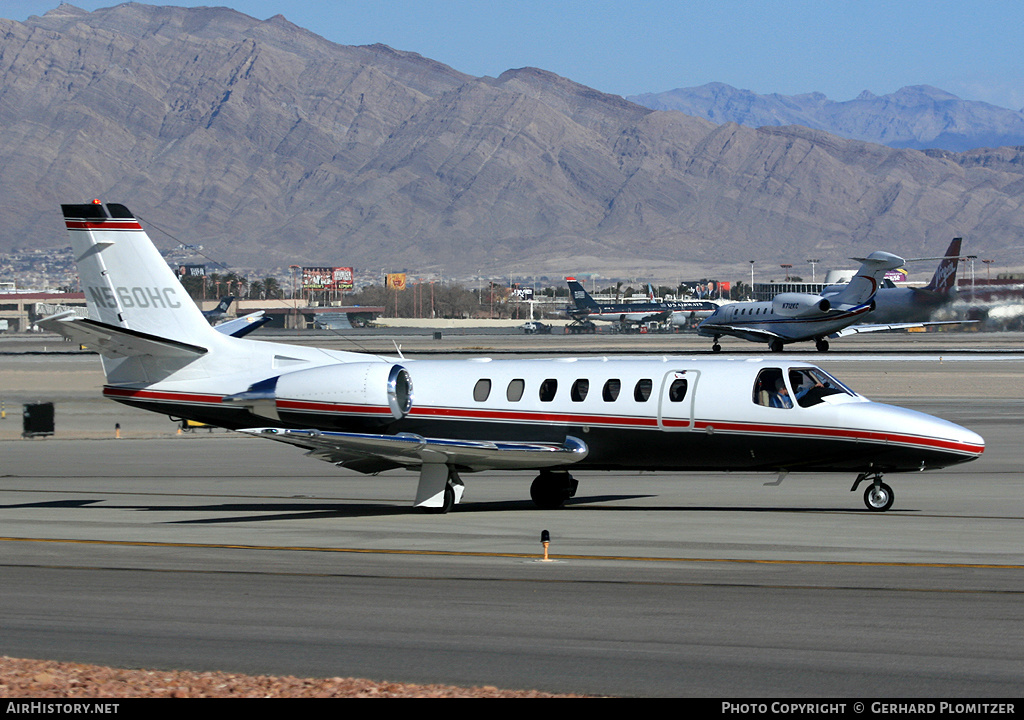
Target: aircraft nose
{"points": [[939, 442]]}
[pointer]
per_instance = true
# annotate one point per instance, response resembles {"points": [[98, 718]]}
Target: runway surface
{"points": [[214, 551]]}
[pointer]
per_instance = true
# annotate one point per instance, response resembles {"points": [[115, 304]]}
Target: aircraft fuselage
{"points": [[664, 413]]}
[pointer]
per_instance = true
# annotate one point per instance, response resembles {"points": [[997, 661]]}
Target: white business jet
{"points": [[793, 317], [446, 418]]}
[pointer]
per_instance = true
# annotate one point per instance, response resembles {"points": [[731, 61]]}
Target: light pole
{"points": [[988, 269], [751, 279], [813, 262]]}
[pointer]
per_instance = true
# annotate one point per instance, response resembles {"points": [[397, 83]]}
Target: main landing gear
{"points": [[552, 488], [878, 496], [440, 488], [821, 344]]}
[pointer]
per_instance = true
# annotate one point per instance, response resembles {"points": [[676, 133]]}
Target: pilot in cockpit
{"points": [[807, 388], [780, 398]]}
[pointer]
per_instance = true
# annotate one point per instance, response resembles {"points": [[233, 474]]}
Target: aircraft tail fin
{"points": [[864, 284], [944, 280], [222, 306], [127, 283], [580, 296]]}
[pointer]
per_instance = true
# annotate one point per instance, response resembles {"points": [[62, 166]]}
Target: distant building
{"points": [[21, 310]]}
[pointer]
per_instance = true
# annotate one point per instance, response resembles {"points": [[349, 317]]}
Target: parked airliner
{"points": [[681, 313], [446, 418]]}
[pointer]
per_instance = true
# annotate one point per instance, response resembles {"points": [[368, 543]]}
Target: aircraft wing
{"points": [[892, 327], [374, 453], [751, 334], [113, 341]]}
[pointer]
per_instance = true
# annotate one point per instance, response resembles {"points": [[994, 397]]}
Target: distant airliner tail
{"points": [[580, 296], [944, 280]]}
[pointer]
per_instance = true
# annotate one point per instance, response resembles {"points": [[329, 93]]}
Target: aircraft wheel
{"points": [[822, 345], [775, 346], [716, 348], [878, 497], [549, 491], [447, 504]]}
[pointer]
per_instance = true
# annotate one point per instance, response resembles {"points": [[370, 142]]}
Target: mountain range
{"points": [[270, 146], [919, 116]]}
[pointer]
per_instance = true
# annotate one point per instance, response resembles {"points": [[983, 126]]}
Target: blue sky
{"points": [[971, 48]]}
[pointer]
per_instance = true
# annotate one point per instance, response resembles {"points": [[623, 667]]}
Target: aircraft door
{"points": [[676, 399]]}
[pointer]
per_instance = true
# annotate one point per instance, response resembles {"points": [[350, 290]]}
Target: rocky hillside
{"points": [[272, 146], [920, 117]]}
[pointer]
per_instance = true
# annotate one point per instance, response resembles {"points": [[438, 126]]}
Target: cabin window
{"points": [[579, 391], [514, 393], [548, 388], [611, 390], [642, 391], [770, 389], [482, 390], [677, 390]]}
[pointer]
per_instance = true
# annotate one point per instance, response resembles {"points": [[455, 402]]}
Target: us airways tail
{"points": [[581, 298]]}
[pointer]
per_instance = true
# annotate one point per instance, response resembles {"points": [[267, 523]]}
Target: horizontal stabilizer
{"points": [[373, 453], [113, 341], [240, 327]]}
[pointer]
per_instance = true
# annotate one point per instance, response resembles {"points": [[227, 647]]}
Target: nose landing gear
{"points": [[878, 497]]}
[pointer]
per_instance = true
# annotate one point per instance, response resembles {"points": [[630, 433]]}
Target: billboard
{"points": [[396, 281], [520, 293], [344, 278], [192, 271], [327, 278]]}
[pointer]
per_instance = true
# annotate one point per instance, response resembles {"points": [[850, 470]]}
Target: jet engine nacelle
{"points": [[376, 390], [799, 304]]}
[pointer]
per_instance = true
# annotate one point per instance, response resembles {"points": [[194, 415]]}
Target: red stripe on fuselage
{"points": [[529, 416], [608, 421], [843, 434], [101, 225]]}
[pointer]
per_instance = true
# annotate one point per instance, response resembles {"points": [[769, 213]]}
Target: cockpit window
{"points": [[770, 389], [810, 385]]}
